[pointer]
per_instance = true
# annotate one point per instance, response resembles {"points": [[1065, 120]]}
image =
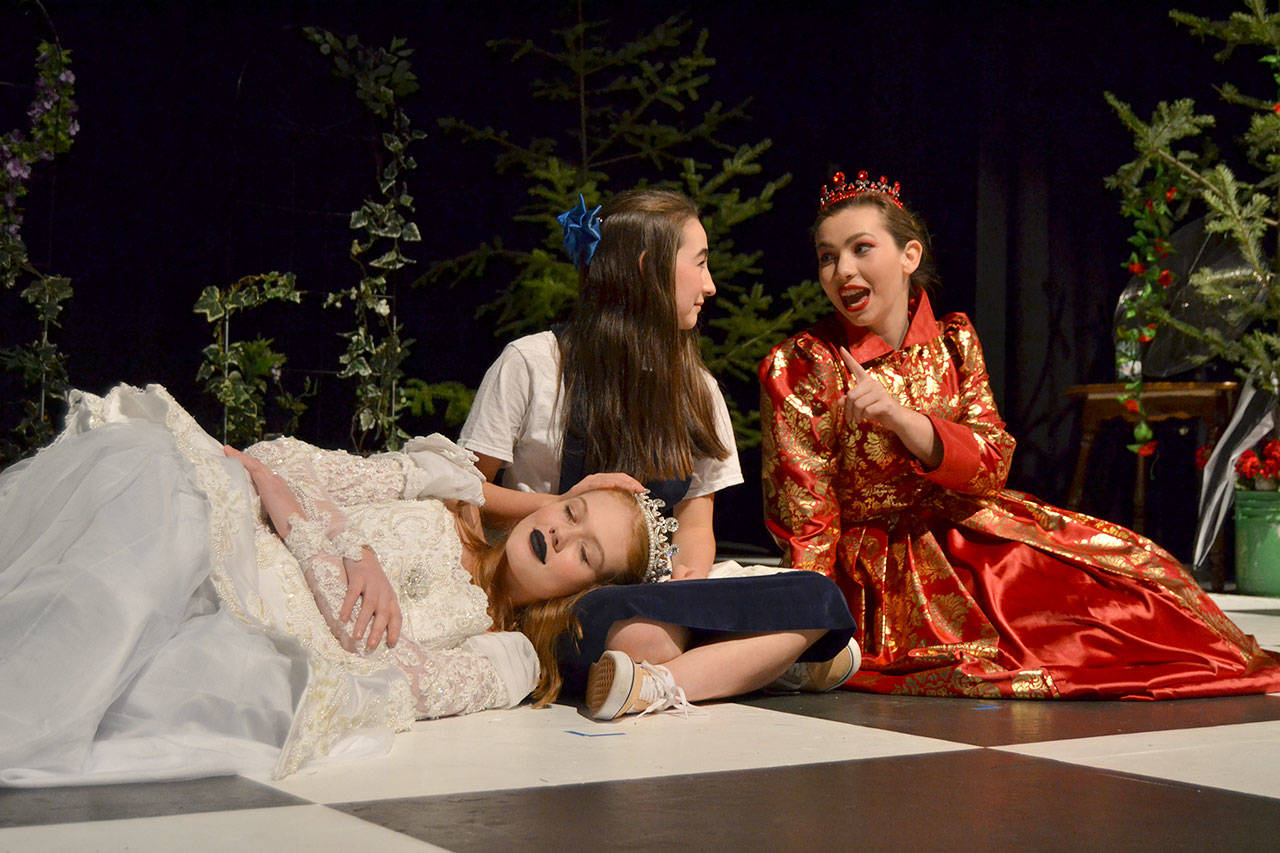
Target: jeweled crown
{"points": [[839, 190], [661, 551]]}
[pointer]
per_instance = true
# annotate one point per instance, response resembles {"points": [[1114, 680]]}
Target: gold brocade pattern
{"points": [[960, 586]]}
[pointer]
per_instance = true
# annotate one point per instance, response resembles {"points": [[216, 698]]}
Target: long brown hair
{"points": [[903, 226], [543, 622], [634, 383]]}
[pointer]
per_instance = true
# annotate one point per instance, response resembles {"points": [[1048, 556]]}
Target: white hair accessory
{"points": [[661, 551]]}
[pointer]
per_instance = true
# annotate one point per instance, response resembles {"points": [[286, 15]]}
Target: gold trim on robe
{"points": [[961, 586]]}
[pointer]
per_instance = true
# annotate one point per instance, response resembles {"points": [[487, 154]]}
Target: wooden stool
{"points": [[1211, 402]]}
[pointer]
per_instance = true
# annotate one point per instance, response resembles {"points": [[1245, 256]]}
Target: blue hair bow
{"points": [[581, 232]]}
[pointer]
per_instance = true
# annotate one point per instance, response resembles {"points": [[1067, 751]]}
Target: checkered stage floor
{"points": [[840, 771]]}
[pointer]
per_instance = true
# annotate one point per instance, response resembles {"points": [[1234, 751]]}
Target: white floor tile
{"points": [[1243, 757], [524, 748], [310, 828], [1230, 602], [1264, 627]]}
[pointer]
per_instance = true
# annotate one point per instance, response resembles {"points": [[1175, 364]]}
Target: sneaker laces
{"points": [[658, 687]]}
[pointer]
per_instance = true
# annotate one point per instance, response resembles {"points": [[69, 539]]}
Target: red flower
{"points": [[1271, 449], [1171, 193], [1147, 449], [1151, 205], [1137, 268], [1271, 468], [1131, 406], [1146, 335], [1165, 278], [1162, 246], [1247, 465], [1276, 109], [1203, 452]]}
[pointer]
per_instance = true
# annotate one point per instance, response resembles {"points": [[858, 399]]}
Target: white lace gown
{"points": [[153, 626]]}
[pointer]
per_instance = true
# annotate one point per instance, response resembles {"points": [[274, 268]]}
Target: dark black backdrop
{"points": [[215, 144]]}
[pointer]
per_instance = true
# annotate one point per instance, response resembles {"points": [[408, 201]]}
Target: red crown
{"points": [[838, 190]]}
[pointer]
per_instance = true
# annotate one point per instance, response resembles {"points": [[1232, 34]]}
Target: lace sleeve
{"points": [[321, 564], [345, 478], [443, 681], [449, 681]]}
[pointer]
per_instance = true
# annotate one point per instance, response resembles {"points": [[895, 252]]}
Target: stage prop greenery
{"points": [[636, 116], [238, 373], [1179, 170], [376, 347], [39, 364]]}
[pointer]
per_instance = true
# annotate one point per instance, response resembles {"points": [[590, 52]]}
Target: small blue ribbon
{"points": [[581, 232]]}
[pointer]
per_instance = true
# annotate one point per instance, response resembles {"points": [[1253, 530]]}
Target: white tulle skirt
{"points": [[134, 639]]}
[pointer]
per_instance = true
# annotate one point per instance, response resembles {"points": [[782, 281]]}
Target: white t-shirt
{"points": [[516, 418]]}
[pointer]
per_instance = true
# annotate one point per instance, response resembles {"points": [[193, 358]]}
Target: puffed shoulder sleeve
{"points": [[976, 448], [801, 387], [438, 468], [501, 406]]}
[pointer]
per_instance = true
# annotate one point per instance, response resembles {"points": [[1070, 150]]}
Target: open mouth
{"points": [[854, 298], [538, 543]]}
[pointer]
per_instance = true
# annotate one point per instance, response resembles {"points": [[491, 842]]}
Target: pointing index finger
{"points": [[854, 368]]}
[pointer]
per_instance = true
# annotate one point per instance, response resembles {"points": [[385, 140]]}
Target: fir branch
{"points": [[639, 102]]}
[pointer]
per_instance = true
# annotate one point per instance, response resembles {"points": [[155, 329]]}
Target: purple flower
{"points": [[17, 169], [66, 77], [73, 128], [14, 230]]}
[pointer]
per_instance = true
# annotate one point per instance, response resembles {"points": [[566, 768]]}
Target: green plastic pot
{"points": [[1258, 542]]}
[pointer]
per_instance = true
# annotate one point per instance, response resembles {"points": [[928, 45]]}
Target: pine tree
{"points": [[639, 120]]}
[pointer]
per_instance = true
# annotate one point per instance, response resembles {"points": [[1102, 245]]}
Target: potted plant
{"points": [[1257, 516]]}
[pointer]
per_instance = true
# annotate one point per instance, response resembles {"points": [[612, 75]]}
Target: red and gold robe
{"points": [[959, 585]]}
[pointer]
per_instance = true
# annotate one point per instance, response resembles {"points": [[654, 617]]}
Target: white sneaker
{"points": [[617, 685], [820, 676]]}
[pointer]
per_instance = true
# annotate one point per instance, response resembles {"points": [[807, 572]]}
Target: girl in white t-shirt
{"points": [[618, 396]]}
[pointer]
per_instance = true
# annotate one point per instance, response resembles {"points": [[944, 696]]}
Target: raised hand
{"points": [[867, 399]]}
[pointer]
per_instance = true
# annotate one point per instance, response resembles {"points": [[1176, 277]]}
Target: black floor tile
{"points": [[970, 800], [1001, 722], [32, 806]]}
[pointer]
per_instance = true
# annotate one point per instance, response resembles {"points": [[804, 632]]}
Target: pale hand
{"points": [[277, 498], [379, 607], [258, 473], [867, 399], [688, 573], [607, 480]]}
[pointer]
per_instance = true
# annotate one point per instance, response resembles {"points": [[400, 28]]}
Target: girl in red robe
{"points": [[885, 463]]}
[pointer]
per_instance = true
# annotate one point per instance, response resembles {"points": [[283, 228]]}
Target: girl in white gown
{"points": [[154, 625]]}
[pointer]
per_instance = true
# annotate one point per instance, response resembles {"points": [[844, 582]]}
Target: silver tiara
{"points": [[661, 551]]}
